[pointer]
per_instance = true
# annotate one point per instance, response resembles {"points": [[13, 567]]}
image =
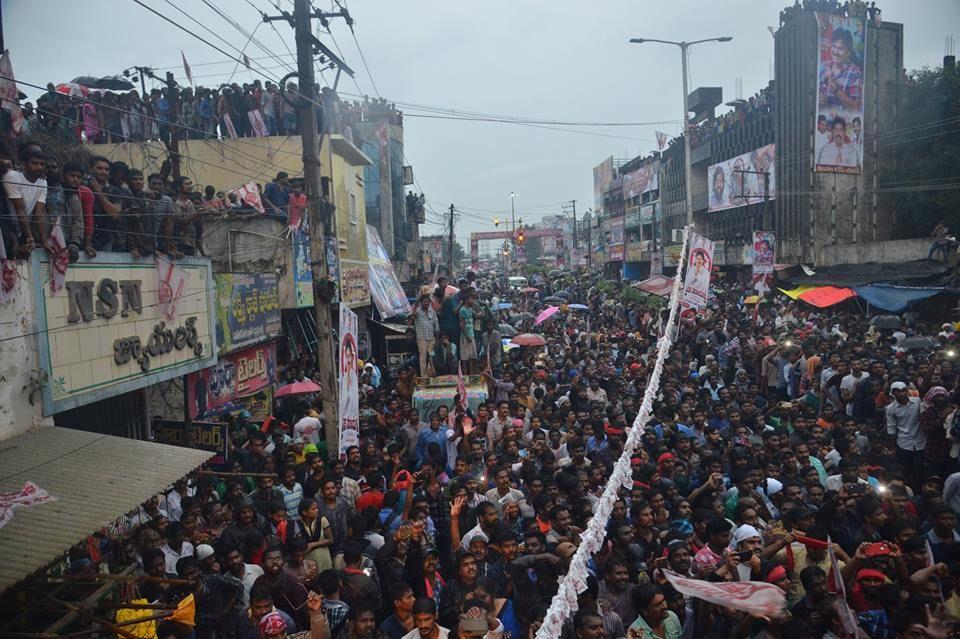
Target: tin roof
{"points": [[95, 478]]}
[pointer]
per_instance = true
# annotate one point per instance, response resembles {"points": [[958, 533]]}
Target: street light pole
{"points": [[687, 164]]}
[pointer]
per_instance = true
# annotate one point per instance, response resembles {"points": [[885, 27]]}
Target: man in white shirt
{"points": [[848, 385], [903, 426], [308, 428], [26, 194], [177, 547]]}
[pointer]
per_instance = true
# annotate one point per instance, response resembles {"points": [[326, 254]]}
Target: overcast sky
{"points": [[558, 60]]}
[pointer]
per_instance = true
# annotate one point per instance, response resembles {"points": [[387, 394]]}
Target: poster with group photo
{"points": [[696, 284], [745, 179], [838, 146]]}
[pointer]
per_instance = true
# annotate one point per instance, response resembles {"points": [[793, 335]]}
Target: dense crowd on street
{"points": [[794, 446]]}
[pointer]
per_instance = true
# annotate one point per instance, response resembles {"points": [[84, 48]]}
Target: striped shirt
{"points": [[291, 499]]}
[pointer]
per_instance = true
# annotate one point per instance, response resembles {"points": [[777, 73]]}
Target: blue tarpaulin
{"points": [[895, 299]]}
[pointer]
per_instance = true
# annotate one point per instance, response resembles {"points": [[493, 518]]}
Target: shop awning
{"points": [[797, 292], [896, 299], [825, 296], [94, 478], [657, 285]]}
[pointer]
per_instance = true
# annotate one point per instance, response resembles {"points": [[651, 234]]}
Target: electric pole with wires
{"points": [[450, 245], [321, 210]]}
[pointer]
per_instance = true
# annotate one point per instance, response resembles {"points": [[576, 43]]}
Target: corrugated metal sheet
{"points": [[95, 478]]}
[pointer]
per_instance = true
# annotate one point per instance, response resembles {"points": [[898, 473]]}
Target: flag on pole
{"points": [[757, 598], [250, 195], [661, 140], [186, 67]]}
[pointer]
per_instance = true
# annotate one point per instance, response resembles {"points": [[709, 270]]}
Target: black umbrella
{"points": [[919, 343], [886, 321], [564, 294], [555, 273], [112, 83], [86, 80], [521, 316], [507, 330], [552, 300]]}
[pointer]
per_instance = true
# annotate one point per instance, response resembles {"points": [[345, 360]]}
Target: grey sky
{"points": [[557, 60]]}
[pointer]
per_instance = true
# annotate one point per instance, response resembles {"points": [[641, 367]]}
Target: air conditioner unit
{"points": [[676, 235]]}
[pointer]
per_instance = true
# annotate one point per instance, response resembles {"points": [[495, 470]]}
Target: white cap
{"points": [[898, 386], [771, 486], [744, 533], [204, 551]]}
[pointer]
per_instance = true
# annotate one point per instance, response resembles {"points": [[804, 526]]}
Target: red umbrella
{"points": [[529, 289], [297, 388], [72, 88], [528, 339]]}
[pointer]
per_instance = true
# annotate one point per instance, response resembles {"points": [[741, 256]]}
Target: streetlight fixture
{"points": [[686, 110]]}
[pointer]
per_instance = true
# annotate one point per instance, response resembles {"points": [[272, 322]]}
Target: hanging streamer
{"points": [[564, 603]]}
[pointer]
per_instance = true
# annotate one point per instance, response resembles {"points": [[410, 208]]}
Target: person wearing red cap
{"points": [[273, 626]]}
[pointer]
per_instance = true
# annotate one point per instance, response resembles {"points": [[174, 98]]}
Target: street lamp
{"points": [[686, 111]]}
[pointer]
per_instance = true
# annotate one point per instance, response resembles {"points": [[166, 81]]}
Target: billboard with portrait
{"points": [[696, 287], [643, 180], [349, 396], [740, 181], [764, 256], [838, 146]]}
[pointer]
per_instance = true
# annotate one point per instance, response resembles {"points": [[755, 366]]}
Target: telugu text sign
{"points": [[236, 375], [104, 333], [248, 309]]}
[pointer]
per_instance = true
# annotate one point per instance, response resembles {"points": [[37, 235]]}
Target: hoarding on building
{"points": [[647, 213], [302, 271], [354, 283], [385, 289], [103, 334], [696, 285], [209, 436], [740, 181], [838, 146], [643, 180], [764, 246], [613, 239], [634, 252], [602, 177], [236, 376], [349, 395], [248, 309]]}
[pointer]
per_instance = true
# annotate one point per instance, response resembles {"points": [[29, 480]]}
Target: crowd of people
{"points": [[103, 205], [793, 446], [76, 113]]}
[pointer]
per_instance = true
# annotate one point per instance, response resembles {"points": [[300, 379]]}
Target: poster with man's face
{"points": [[838, 141]]}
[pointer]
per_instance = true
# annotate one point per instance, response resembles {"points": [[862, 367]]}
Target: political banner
{"points": [[257, 125], [234, 376], [763, 260], [171, 281], [249, 194], [302, 271], [349, 395], [643, 180], [9, 93], [696, 283], [746, 179], [248, 309], [208, 436], [757, 598], [385, 289], [841, 62]]}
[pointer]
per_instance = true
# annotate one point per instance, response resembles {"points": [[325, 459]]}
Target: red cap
{"points": [[665, 458], [869, 573]]}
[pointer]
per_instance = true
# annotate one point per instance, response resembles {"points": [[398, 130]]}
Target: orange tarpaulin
{"points": [[825, 296]]}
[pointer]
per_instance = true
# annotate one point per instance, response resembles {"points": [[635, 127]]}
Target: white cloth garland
{"points": [[564, 603]]}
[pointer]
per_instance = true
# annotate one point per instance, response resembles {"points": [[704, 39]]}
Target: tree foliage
{"points": [[923, 178]]}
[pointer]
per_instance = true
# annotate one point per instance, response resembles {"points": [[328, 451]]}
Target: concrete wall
{"points": [[19, 361], [890, 251]]}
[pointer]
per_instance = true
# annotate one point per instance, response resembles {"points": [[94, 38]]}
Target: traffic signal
{"points": [[496, 222], [520, 237]]}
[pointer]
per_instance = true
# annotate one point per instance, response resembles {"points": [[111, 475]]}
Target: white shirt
{"points": [[415, 634], [186, 550], [903, 420], [18, 187], [250, 574], [308, 428], [849, 382]]}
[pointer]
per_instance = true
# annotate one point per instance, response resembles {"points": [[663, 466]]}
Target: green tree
{"points": [[534, 247], [925, 149]]}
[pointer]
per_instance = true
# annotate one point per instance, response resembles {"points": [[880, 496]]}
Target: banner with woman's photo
{"points": [[745, 179], [696, 286], [349, 382], [838, 146]]}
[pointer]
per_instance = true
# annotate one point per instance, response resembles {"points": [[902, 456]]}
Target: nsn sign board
{"points": [[104, 333]]}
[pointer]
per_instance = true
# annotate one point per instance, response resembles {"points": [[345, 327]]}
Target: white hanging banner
{"points": [[696, 288], [349, 395]]}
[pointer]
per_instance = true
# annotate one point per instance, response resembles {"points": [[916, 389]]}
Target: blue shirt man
{"points": [[276, 195]]}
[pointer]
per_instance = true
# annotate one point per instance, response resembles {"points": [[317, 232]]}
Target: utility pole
{"points": [[450, 246], [305, 103]]}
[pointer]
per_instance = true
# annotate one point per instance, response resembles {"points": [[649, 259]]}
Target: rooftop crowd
{"points": [[78, 114], [777, 440]]}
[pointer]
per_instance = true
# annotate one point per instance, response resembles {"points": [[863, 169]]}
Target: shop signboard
{"points": [[354, 283], [209, 436], [385, 289], [248, 309], [236, 376], [634, 252], [647, 213], [104, 334]]}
